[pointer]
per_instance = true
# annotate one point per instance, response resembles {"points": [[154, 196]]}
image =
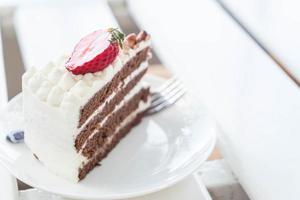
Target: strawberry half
{"points": [[95, 51]]}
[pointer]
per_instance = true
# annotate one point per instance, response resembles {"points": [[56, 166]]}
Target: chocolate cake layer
{"points": [[100, 156], [103, 93], [108, 108], [112, 122]]}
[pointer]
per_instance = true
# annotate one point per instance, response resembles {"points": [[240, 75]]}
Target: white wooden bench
{"points": [[256, 104], [276, 25]]}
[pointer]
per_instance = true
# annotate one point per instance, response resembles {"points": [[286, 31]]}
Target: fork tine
{"points": [[168, 98], [165, 97], [166, 103], [169, 87]]}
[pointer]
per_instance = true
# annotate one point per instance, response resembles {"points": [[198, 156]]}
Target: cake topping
{"points": [[95, 51], [130, 40], [142, 36]]}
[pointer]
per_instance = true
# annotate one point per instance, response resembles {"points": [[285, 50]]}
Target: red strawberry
{"points": [[95, 51]]}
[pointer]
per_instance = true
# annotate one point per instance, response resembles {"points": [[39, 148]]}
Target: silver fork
{"points": [[166, 95]]}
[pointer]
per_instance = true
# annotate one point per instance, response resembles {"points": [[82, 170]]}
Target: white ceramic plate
{"points": [[160, 151]]}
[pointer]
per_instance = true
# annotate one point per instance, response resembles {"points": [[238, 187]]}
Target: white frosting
{"points": [[52, 99]]}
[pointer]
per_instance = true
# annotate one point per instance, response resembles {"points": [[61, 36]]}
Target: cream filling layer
{"points": [[141, 108], [136, 72], [137, 88]]}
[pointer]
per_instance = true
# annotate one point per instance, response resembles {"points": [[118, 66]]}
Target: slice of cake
{"points": [[78, 108]]}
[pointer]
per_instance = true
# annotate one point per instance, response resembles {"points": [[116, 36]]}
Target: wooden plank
{"points": [[274, 24], [255, 103], [48, 30]]}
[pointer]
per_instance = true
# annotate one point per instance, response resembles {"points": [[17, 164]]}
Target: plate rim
{"points": [[126, 195]]}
